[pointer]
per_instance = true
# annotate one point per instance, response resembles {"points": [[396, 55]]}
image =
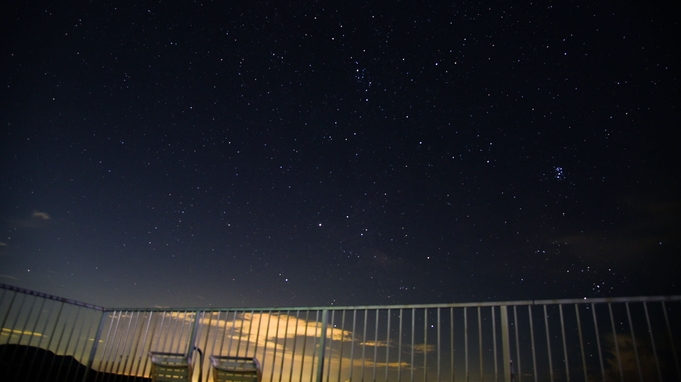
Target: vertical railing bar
{"points": [[87, 362], [23, 328], [191, 341], [598, 340], [565, 353], [250, 330], [671, 340], [209, 329], [302, 360], [214, 341], [164, 334], [169, 335], [224, 333], [482, 372], [180, 324], [125, 343], [364, 341], [231, 332], [116, 366], [352, 343], [148, 316], [330, 339], [283, 347], [451, 343], [413, 330], [465, 341], [439, 355], [314, 346], [154, 333], [194, 330], [44, 330], [241, 333], [9, 310], [95, 346], [264, 346], [505, 345], [257, 332], [56, 349], [534, 355], [581, 342], [322, 345], [494, 344], [652, 341], [161, 343], [109, 345], [117, 341], [87, 332], [425, 344], [633, 340], [614, 338], [517, 341], [399, 349], [33, 331], [295, 341], [68, 342], [136, 342], [16, 319], [274, 350], [548, 341], [342, 343], [105, 315], [387, 345], [375, 346]]}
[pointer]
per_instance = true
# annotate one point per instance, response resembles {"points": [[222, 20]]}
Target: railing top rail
{"points": [[51, 297], [357, 307], [408, 306]]}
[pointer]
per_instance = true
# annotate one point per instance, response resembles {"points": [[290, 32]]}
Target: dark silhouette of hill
{"points": [[22, 363]]}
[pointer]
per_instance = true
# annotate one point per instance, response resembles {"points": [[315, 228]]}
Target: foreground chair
{"points": [[232, 369], [174, 367]]}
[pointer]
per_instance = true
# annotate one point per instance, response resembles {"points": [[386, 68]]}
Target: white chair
{"points": [[233, 369], [173, 367]]}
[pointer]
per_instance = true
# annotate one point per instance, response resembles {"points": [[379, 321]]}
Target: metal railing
{"points": [[604, 339]]}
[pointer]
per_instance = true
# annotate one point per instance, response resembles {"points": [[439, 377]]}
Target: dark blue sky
{"points": [[202, 154]]}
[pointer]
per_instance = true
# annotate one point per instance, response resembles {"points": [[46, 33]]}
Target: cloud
{"points": [[424, 348], [40, 215], [623, 345], [37, 219], [647, 227], [380, 344]]}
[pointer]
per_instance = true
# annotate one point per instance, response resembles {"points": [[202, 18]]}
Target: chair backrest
{"points": [[170, 367], [235, 369]]}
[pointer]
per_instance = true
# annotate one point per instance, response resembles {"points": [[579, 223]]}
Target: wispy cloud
{"points": [[40, 215], [37, 219]]}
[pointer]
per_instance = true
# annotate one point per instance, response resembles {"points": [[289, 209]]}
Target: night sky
{"points": [[312, 153]]}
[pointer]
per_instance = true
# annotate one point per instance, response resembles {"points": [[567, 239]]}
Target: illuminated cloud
{"points": [[380, 344], [8, 331], [421, 348], [41, 215], [37, 219]]}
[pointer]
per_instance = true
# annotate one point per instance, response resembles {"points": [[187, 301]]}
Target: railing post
{"points": [[322, 345], [505, 344]]}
